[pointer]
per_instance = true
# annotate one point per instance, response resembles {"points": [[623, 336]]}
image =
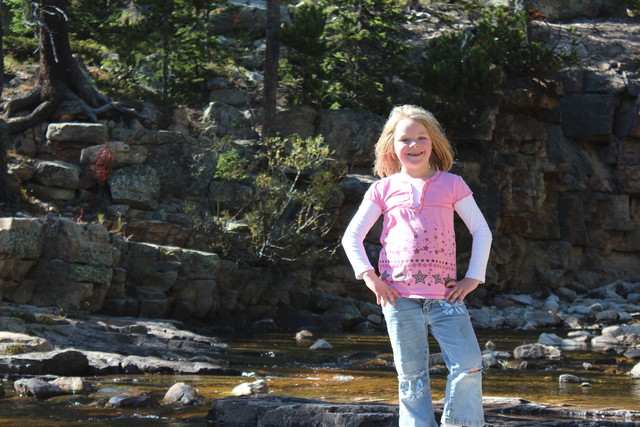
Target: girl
{"points": [[417, 285]]}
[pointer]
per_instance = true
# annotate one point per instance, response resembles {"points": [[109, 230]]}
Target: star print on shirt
{"points": [[438, 278], [385, 275], [419, 276]]}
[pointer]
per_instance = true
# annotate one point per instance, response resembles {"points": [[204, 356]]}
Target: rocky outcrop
{"points": [[274, 410], [101, 345], [291, 411]]}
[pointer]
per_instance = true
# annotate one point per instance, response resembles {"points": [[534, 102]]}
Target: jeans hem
{"points": [[462, 421]]}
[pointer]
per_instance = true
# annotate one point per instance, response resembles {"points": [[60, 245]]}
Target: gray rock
{"points": [[228, 121], [12, 324], [53, 173], [122, 154], [632, 354], [91, 133], [351, 134], [73, 384], [283, 410], [27, 342], [137, 186], [568, 378], [246, 389], [233, 97], [597, 124], [37, 388], [44, 192], [550, 339], [321, 345], [184, 394], [536, 351], [132, 402], [607, 316], [298, 119]]}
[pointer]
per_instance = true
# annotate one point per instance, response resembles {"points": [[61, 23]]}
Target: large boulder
{"points": [[277, 410], [351, 133], [226, 120]]}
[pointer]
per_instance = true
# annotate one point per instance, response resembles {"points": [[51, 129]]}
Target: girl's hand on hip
{"points": [[460, 289], [380, 288]]}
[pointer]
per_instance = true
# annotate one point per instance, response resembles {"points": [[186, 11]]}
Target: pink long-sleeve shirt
{"points": [[418, 239]]}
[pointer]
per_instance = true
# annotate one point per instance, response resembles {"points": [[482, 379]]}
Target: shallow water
{"points": [[292, 369]]}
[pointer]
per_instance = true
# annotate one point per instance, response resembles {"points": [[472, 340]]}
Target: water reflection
{"points": [[358, 368]]}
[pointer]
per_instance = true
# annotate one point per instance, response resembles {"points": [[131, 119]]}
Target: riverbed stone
{"points": [[536, 351], [321, 344], [132, 402], [549, 339], [184, 394], [37, 387], [73, 384], [27, 343], [246, 389]]}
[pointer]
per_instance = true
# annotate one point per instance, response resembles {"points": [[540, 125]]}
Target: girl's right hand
{"points": [[380, 288]]}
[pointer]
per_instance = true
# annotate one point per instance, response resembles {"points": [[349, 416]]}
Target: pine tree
{"points": [[305, 38], [365, 36]]}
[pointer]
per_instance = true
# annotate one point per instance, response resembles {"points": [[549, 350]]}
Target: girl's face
{"points": [[412, 145]]}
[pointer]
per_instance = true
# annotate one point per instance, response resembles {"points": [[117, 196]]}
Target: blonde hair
{"points": [[387, 162]]}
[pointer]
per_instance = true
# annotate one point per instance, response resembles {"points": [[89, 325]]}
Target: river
{"points": [[356, 370]]}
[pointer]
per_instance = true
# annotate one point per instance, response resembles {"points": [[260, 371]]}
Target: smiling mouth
{"points": [[414, 154]]}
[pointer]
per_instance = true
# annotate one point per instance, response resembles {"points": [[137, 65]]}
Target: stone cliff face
{"points": [[559, 181], [554, 164]]}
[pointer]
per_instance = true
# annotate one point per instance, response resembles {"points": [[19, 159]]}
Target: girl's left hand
{"points": [[460, 289]]}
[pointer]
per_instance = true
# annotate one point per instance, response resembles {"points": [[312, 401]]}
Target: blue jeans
{"points": [[408, 324]]}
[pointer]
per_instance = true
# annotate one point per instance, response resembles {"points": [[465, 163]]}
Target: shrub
{"points": [[293, 181], [21, 48], [462, 69]]}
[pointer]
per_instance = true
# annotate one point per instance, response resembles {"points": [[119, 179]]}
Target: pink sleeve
{"points": [[373, 194], [460, 189]]}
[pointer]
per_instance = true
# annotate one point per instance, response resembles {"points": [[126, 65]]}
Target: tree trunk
{"points": [[271, 69], [4, 137], [61, 77], [1, 49], [5, 194]]}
